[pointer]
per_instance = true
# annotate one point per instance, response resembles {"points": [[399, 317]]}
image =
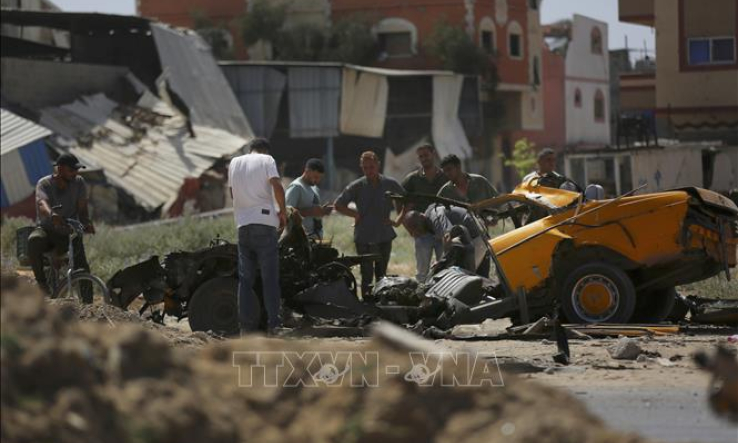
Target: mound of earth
{"points": [[67, 380]]}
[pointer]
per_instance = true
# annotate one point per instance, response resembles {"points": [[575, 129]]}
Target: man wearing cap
{"points": [[303, 194], [59, 196]]}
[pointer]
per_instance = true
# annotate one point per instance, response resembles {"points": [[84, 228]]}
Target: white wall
{"points": [[588, 72], [667, 168]]}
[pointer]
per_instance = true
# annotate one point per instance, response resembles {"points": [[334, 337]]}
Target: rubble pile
{"points": [[74, 381]]}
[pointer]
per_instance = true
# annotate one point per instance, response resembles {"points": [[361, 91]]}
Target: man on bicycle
{"points": [[60, 196]]}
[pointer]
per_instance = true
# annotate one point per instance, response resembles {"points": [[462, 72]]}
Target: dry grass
{"points": [[112, 249]]}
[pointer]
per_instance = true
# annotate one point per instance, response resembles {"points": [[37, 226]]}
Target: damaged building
{"points": [[154, 118], [336, 111], [143, 105]]}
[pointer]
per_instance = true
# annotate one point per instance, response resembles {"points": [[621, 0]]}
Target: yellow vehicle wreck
{"points": [[612, 260]]}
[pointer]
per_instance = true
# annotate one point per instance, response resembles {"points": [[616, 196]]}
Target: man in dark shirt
{"points": [[373, 227], [466, 187], [446, 224], [59, 196], [463, 186], [427, 179]]}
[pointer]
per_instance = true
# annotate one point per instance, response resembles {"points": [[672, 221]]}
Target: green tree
{"points": [[351, 41], [457, 52], [304, 42], [523, 157], [264, 22], [216, 35]]}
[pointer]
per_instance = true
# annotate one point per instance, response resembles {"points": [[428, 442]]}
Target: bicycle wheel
{"points": [[85, 288]]}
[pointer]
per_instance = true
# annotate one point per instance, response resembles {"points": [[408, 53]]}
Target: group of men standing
{"points": [[255, 185]]}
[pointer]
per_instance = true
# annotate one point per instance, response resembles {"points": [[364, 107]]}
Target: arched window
{"points": [[599, 106], [487, 35], [397, 37], [577, 98], [595, 40], [515, 40]]}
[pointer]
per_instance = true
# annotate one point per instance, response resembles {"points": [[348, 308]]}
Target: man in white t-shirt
{"points": [[255, 185]]}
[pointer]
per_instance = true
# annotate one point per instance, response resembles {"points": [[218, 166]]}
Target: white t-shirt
{"points": [[253, 196]]}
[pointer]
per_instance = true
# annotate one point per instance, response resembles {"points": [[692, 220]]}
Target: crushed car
{"points": [[589, 260], [613, 260], [202, 285]]}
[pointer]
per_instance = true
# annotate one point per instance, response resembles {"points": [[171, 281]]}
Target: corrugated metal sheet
{"points": [[36, 161], [259, 91], [193, 74], [314, 95], [15, 183], [16, 131], [148, 156]]}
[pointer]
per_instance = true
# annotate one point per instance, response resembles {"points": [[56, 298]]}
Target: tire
{"points": [[339, 270], [214, 306], [655, 306], [97, 292], [598, 293]]}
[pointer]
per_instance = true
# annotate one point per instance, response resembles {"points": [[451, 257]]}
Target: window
{"points": [[488, 41], [599, 106], [596, 41], [536, 72], [714, 50], [515, 40], [396, 37], [577, 98], [533, 5], [395, 44]]}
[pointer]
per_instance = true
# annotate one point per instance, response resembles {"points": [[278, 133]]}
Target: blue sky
{"points": [[551, 10]]}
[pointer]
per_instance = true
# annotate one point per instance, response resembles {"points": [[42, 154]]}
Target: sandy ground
{"points": [[661, 396]]}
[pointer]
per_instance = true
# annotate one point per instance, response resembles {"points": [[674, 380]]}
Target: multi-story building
{"points": [[509, 30], [694, 89], [575, 87]]}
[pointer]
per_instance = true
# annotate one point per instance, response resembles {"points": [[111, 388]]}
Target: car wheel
{"points": [[598, 293], [214, 306], [655, 306]]}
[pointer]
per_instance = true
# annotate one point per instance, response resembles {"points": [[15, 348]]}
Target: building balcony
{"points": [[638, 12]]}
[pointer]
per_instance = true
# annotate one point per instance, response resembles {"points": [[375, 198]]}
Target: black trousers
{"points": [[42, 241], [373, 271]]}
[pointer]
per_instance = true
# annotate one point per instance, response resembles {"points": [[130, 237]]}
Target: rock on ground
{"points": [[66, 380]]}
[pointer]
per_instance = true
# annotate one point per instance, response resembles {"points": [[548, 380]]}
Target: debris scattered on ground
{"points": [[87, 381], [625, 349]]}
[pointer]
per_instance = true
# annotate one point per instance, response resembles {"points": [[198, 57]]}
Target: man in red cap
{"points": [[60, 196]]}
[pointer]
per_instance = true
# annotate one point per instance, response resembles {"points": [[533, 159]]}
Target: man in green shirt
{"points": [[427, 179], [463, 186], [303, 194], [469, 188]]}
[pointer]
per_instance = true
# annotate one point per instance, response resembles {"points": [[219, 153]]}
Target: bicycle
{"points": [[78, 284]]}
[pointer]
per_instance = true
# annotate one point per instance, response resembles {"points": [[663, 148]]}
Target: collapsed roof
{"points": [[144, 102]]}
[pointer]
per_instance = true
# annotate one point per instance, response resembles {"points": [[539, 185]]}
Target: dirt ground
{"points": [[100, 374]]}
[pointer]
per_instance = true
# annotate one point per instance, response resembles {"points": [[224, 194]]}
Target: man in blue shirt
{"points": [[303, 194], [373, 227]]}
